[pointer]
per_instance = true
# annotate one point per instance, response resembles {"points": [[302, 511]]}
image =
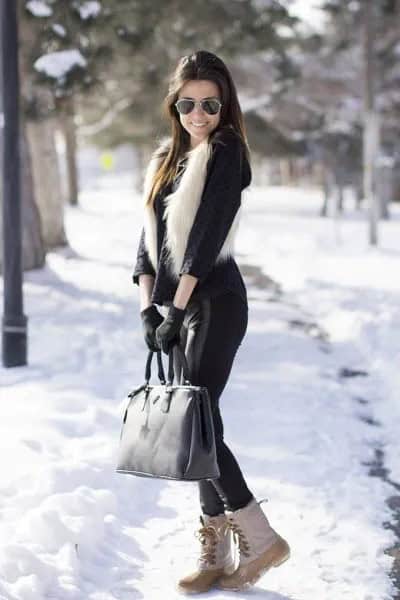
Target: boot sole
{"points": [[183, 590], [260, 573]]}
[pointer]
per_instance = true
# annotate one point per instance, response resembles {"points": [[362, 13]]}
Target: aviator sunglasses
{"points": [[210, 105]]}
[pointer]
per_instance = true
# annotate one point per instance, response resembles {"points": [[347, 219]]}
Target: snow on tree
{"points": [[39, 8], [90, 9], [56, 65]]}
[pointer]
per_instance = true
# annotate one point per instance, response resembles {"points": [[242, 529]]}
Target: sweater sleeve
{"points": [[143, 265], [219, 204]]}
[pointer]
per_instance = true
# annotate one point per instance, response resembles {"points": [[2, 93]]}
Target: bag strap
{"points": [[184, 364], [147, 373], [161, 374]]}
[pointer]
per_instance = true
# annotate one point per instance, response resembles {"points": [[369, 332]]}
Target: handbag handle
{"points": [[184, 364], [161, 374], [147, 373]]}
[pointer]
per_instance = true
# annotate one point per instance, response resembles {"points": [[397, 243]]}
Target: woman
{"points": [[185, 264]]}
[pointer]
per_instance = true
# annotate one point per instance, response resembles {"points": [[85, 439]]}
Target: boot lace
{"points": [[208, 537], [239, 536]]}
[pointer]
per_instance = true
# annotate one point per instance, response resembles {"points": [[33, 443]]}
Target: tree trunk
{"points": [[328, 188], [139, 167], [33, 252], [384, 184], [69, 131], [358, 190], [47, 181], [340, 197], [371, 124], [284, 171], [38, 108]]}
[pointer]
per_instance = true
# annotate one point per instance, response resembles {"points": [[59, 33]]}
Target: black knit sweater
{"points": [[228, 173]]}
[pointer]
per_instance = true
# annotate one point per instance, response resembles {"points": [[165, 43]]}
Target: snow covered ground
{"points": [[305, 434]]}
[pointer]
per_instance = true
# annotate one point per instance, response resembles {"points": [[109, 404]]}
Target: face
{"points": [[198, 123]]}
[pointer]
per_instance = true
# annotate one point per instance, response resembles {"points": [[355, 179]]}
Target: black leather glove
{"points": [[167, 334], [151, 319]]}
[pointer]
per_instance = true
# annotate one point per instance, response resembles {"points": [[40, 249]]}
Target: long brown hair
{"points": [[197, 66]]}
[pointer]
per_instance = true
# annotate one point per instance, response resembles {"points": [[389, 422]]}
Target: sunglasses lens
{"points": [[211, 107], [185, 106]]}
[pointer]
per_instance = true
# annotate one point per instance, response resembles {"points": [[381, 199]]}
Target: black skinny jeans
{"points": [[211, 333]]}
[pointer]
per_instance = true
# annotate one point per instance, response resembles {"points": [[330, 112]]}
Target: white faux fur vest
{"points": [[181, 208]]}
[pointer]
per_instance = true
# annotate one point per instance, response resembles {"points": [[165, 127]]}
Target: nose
{"points": [[198, 110]]}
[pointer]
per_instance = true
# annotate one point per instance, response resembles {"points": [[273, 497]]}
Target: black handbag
{"points": [[167, 430]]}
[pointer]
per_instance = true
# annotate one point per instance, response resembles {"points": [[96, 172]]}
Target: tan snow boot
{"points": [[260, 547], [216, 555]]}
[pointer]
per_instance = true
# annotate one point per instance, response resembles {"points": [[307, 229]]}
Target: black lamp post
{"points": [[14, 322]]}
